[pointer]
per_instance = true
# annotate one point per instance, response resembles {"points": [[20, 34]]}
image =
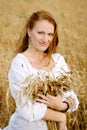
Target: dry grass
{"points": [[72, 19]]}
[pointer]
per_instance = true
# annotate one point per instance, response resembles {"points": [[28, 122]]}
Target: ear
{"points": [[29, 32]]}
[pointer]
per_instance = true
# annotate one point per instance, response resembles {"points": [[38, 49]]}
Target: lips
{"points": [[43, 43]]}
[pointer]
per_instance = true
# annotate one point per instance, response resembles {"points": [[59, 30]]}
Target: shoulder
{"points": [[19, 59], [57, 57], [20, 63], [60, 62], [18, 66]]}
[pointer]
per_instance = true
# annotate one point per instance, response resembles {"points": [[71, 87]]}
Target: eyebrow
{"points": [[44, 32]]}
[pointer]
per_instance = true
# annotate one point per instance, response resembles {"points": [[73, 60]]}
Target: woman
{"points": [[37, 55]]}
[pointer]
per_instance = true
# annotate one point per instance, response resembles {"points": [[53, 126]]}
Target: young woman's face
{"points": [[41, 35]]}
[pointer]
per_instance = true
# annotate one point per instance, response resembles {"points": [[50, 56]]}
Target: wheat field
{"points": [[71, 16]]}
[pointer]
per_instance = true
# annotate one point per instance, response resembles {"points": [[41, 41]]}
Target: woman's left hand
{"points": [[51, 101]]}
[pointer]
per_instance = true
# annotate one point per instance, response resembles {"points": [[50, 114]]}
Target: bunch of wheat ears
{"points": [[49, 85]]}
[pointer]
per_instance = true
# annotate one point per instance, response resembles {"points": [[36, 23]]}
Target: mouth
{"points": [[43, 43]]}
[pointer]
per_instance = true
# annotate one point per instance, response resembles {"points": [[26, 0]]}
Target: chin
{"points": [[43, 49]]}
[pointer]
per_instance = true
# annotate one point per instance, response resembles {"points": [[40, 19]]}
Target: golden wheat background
{"points": [[71, 16]]}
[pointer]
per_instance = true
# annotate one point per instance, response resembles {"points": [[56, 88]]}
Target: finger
{"points": [[53, 97], [49, 96], [43, 97], [71, 101], [43, 101]]}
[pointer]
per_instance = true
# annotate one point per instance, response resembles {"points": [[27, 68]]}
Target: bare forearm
{"points": [[52, 115]]}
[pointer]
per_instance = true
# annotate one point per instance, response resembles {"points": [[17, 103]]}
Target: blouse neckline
{"points": [[40, 70]]}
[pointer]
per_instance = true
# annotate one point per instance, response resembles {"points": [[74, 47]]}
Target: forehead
{"points": [[44, 25]]}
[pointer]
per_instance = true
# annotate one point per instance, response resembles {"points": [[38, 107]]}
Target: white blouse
{"points": [[20, 69]]}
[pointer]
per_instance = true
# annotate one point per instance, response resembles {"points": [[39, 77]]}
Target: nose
{"points": [[45, 38]]}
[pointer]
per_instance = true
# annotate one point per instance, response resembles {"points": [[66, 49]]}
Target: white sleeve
{"points": [[63, 69], [16, 76], [63, 65], [71, 94]]}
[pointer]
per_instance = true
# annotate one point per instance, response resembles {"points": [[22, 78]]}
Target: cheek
{"points": [[34, 38], [50, 40]]}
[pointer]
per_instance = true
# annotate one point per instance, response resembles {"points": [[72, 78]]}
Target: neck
{"points": [[36, 58], [36, 54]]}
